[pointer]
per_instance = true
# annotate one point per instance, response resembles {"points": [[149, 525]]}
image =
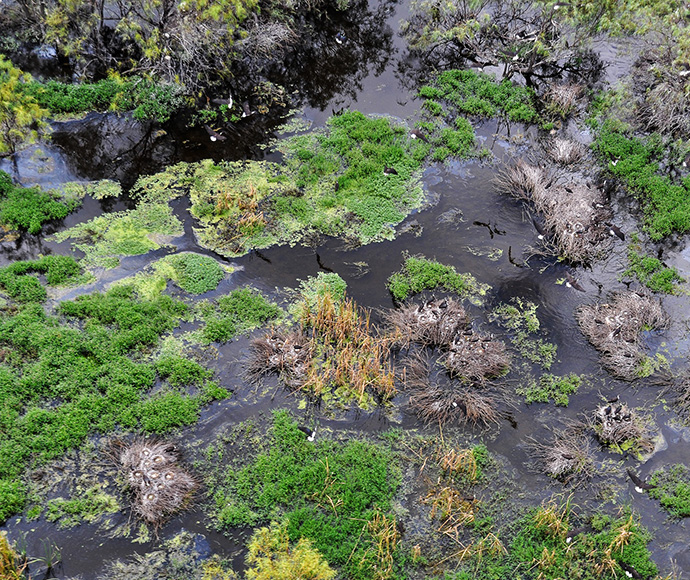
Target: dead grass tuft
{"points": [[615, 328], [475, 358], [561, 99], [568, 458], [564, 151], [434, 323]]}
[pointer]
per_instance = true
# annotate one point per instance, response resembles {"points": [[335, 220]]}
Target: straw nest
{"points": [[569, 457], [616, 424], [287, 353], [574, 213], [564, 151], [475, 357], [433, 323], [615, 329], [450, 401], [159, 485]]}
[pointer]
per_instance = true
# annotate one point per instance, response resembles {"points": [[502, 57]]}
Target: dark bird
{"points": [[686, 160], [614, 400], [337, 186], [640, 486], [568, 189], [443, 304], [227, 102], [417, 134], [484, 225], [310, 433], [571, 282], [630, 572], [389, 171], [246, 111], [539, 227], [614, 230], [573, 532], [213, 134], [340, 38], [512, 260]]}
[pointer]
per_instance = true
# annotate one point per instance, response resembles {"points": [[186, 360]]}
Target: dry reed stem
{"points": [[614, 329], [459, 461], [453, 509], [384, 532]]}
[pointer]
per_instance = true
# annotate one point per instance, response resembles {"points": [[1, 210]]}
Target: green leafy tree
{"points": [[21, 118], [272, 557]]}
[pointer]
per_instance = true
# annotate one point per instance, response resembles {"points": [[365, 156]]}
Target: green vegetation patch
{"points": [[63, 378], [194, 273], [87, 507], [18, 283], [672, 489], [551, 387], [241, 310], [28, 208], [520, 317], [128, 233], [635, 160], [337, 495], [479, 94], [331, 182], [419, 273], [147, 100], [651, 271]]}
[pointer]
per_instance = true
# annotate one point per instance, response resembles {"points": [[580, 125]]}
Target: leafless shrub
{"points": [[287, 353], [564, 151], [158, 484], [574, 213], [267, 39], [568, 458], [561, 99], [450, 402], [434, 323], [614, 329], [616, 424], [475, 358]]}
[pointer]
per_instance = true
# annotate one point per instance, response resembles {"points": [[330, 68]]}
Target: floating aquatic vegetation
{"points": [[574, 213], [615, 330], [159, 485], [128, 233], [16, 279], [672, 489], [651, 271], [550, 387], [101, 189], [87, 505]]}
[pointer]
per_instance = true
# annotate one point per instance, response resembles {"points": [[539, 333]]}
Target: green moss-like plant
{"points": [[672, 489], [551, 387], [16, 279], [88, 506], [419, 273], [651, 271], [327, 492]]}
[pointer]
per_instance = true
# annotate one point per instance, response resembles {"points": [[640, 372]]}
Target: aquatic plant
{"points": [[28, 208], [128, 233], [89, 505], [615, 330], [326, 491], [672, 489], [270, 557], [419, 273], [551, 387], [17, 282], [159, 485]]}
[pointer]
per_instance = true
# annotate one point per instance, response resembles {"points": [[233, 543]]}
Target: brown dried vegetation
{"points": [[568, 458], [574, 213], [564, 151], [615, 329], [159, 486], [434, 323], [475, 358]]}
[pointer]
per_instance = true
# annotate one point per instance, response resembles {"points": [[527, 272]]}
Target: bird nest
{"points": [[615, 329], [433, 323], [475, 357], [159, 486], [618, 426], [574, 213], [569, 458], [287, 353]]}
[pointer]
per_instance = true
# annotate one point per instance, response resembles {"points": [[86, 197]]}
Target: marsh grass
{"points": [[672, 489], [651, 271], [615, 329], [12, 565]]}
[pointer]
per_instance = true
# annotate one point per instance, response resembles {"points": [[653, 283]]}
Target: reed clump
{"points": [[568, 458], [614, 329], [432, 323], [159, 486], [574, 213], [564, 151], [560, 100], [335, 348]]}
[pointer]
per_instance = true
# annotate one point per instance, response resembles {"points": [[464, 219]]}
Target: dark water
{"points": [[369, 73]]}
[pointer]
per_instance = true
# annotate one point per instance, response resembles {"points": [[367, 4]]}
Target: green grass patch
{"points": [[83, 371], [672, 489], [146, 99], [650, 271], [241, 310], [419, 273], [18, 283], [127, 233], [635, 160], [330, 182], [551, 387], [28, 208], [331, 493], [520, 317], [87, 507]]}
